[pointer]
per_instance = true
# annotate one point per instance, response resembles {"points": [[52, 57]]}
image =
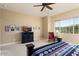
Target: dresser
{"points": [[27, 37]]}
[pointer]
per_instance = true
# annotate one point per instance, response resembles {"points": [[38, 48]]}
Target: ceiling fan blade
{"points": [[42, 8], [51, 3], [37, 5], [48, 3], [49, 7]]}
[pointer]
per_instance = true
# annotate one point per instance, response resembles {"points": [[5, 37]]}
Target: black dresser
{"points": [[27, 37]]}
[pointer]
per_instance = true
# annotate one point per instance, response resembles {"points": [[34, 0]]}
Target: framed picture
{"points": [[12, 27], [7, 28]]}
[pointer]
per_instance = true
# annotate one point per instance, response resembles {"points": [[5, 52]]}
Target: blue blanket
{"points": [[57, 49]]}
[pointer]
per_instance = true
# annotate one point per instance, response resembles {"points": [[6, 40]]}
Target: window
{"points": [[67, 26], [57, 26], [76, 26]]}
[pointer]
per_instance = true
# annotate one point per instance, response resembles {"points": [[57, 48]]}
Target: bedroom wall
{"points": [[10, 17], [50, 29], [69, 14], [47, 26], [0, 26]]}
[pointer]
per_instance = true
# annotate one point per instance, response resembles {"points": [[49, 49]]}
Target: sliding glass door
{"points": [[68, 26], [76, 26]]}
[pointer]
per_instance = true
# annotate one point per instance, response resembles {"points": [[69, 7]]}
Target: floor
{"points": [[19, 49]]}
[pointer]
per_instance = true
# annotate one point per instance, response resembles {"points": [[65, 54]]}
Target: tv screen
{"points": [[26, 29], [29, 29]]}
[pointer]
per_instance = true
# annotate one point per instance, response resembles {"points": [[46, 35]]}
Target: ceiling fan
{"points": [[45, 5]]}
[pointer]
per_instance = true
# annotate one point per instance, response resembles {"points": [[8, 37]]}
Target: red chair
{"points": [[51, 36]]}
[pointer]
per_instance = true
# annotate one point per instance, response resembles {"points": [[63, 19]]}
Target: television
{"points": [[29, 29], [26, 29]]}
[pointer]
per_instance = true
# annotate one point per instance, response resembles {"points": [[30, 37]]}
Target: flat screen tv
{"points": [[29, 29], [26, 29]]}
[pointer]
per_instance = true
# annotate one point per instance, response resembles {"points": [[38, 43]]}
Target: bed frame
{"points": [[31, 49]]}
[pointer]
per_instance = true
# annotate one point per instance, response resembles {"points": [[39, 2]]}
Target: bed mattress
{"points": [[57, 49]]}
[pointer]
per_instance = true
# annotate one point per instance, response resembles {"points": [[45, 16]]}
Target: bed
{"points": [[57, 49]]}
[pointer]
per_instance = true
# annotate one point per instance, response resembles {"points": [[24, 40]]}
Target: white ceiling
{"points": [[28, 8]]}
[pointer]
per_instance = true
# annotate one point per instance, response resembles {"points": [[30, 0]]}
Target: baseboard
{"points": [[5, 44]]}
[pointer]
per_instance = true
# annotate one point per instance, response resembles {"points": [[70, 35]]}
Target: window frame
{"points": [[72, 25]]}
